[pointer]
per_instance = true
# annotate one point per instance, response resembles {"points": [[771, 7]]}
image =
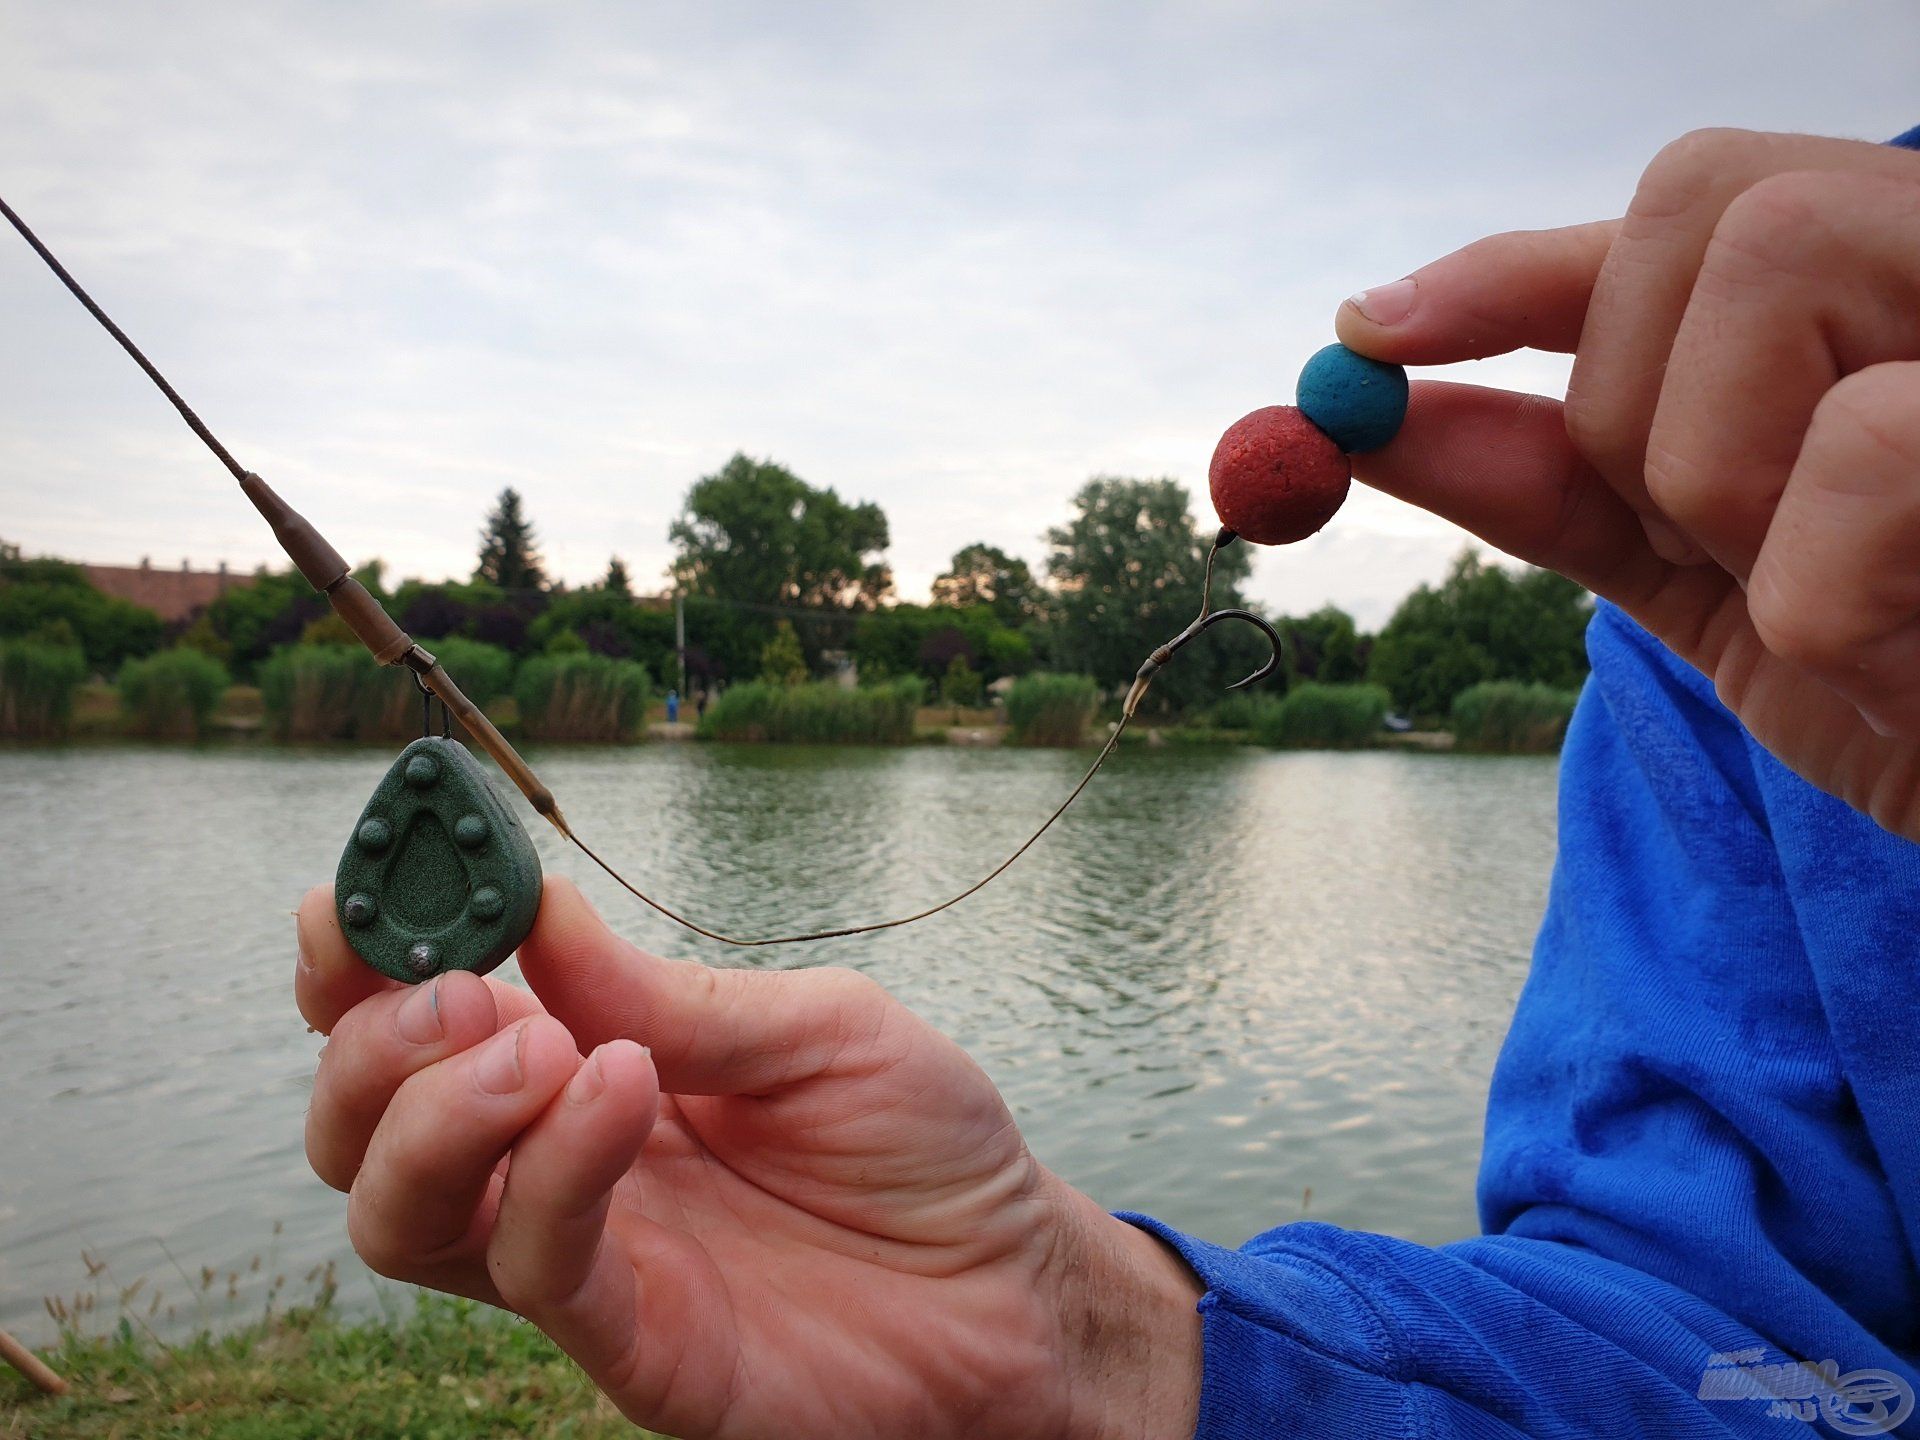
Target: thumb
{"points": [[1500, 464], [712, 1031]]}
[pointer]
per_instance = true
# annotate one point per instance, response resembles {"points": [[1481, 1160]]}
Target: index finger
{"points": [[1526, 290]]}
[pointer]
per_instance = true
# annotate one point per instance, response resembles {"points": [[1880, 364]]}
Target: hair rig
{"points": [[438, 874]]}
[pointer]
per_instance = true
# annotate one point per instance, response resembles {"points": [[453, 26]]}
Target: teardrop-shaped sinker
{"points": [[439, 874]]}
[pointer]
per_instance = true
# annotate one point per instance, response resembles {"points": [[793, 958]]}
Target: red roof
{"points": [[171, 594]]}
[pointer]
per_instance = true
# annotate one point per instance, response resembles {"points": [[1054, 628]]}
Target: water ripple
{"points": [[1223, 979]]}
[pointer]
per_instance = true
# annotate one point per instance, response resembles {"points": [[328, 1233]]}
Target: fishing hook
{"points": [[1206, 619]]}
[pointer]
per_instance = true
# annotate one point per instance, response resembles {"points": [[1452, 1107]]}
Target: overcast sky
{"points": [[951, 258]]}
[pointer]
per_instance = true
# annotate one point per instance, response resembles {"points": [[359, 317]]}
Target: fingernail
{"points": [[1387, 304], [418, 1018], [588, 1081], [497, 1071]]}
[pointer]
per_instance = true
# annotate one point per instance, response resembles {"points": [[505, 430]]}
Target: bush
{"points": [[816, 714], [36, 594], [1323, 717], [1047, 709], [1242, 710], [961, 685], [580, 696], [483, 671], [782, 661], [1509, 718], [170, 695], [37, 681]]}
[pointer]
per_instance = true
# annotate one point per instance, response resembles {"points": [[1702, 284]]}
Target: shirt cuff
{"points": [[1290, 1351]]}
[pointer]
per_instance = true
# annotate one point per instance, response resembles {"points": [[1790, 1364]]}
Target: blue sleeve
{"points": [[1701, 1182]]}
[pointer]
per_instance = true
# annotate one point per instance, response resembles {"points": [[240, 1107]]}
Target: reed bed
{"points": [[817, 714], [389, 706], [1051, 709], [321, 692], [1313, 716], [37, 682], [581, 697], [172, 695], [1507, 717], [337, 692]]}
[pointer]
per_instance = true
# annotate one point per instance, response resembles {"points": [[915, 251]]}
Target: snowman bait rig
{"points": [[438, 874]]}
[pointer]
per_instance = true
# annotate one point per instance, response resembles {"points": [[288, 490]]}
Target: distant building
{"points": [[173, 595]]}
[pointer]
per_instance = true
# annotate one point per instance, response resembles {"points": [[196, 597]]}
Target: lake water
{"points": [[1226, 978]]}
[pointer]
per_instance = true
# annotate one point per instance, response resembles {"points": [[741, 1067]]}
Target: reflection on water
{"points": [[1225, 978]]}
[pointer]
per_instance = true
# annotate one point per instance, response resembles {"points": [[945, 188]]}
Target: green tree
{"points": [[782, 662], [756, 532], [509, 557], [244, 625], [986, 575], [921, 639], [1325, 646], [1127, 570], [1483, 622], [617, 582]]}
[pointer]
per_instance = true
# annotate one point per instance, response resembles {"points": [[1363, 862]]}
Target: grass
{"points": [[1047, 709], [1313, 716], [820, 713], [1506, 717], [446, 1370]]}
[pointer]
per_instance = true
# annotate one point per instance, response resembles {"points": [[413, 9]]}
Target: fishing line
{"points": [[324, 569]]}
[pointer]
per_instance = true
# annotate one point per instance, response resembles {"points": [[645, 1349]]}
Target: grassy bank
{"points": [[448, 1370]]}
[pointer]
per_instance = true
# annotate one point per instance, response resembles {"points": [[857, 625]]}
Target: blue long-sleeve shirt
{"points": [[1702, 1159]]}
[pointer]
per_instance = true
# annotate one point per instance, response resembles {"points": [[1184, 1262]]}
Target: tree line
{"points": [[778, 576]]}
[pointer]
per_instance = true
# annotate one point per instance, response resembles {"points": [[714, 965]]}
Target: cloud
{"points": [[951, 258]]}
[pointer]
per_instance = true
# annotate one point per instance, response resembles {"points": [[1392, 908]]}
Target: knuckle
{"points": [[1786, 625], [324, 1160], [1596, 424], [527, 1290], [1675, 485], [374, 1244], [845, 984], [1872, 414], [1687, 171], [1767, 227]]}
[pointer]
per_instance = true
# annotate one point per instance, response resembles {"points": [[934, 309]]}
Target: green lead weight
{"points": [[438, 874]]}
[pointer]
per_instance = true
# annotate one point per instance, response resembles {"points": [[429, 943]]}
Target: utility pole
{"points": [[680, 637]]}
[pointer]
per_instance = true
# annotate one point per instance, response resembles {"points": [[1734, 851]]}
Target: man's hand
{"points": [[1737, 464], [766, 1203]]}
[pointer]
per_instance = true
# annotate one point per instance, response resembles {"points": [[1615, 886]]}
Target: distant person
{"points": [[673, 707], [776, 1204], [700, 703]]}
